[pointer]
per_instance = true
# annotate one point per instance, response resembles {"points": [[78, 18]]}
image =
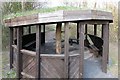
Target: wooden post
{"points": [[29, 29], [105, 47], [58, 38], [95, 29], [19, 55], [11, 48], [44, 33], [102, 32], [81, 49], [15, 33], [66, 50], [38, 49]]}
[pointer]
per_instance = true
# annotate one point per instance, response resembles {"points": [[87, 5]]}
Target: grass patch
{"points": [[35, 11]]}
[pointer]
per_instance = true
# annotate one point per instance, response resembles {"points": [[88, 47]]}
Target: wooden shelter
{"points": [[56, 65]]}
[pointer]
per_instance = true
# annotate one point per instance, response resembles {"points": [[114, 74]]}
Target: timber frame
{"points": [[80, 17]]}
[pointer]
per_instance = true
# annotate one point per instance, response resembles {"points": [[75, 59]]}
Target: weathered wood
{"points": [[11, 48], [38, 49], [66, 50], [27, 75], [14, 46], [81, 48], [60, 16], [58, 38], [95, 29], [19, 55], [105, 47]]}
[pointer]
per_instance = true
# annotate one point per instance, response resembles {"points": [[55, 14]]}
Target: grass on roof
{"points": [[42, 10]]}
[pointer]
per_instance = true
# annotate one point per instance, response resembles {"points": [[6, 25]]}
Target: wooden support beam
{"points": [[105, 47], [95, 29], [81, 49], [19, 55], [38, 49], [11, 48], [66, 50], [58, 38]]}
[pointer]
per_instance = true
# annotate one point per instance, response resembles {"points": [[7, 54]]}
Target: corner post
{"points": [[105, 47], [19, 54], [38, 49]]}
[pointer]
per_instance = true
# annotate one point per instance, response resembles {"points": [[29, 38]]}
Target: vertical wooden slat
{"points": [[19, 55], [11, 48], [77, 31], [102, 32], [58, 38], [86, 31], [81, 48], [66, 50], [38, 49], [44, 33], [95, 29], [105, 47]]}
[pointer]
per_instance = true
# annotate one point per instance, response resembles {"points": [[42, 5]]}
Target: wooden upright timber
{"points": [[58, 38], [11, 48], [81, 49], [19, 55], [105, 47], [66, 50], [38, 49]]}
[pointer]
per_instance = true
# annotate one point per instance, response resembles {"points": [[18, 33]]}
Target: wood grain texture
{"points": [[58, 38], [81, 48]]}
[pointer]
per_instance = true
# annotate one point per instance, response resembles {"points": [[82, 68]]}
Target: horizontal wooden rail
{"points": [[32, 53], [27, 75]]}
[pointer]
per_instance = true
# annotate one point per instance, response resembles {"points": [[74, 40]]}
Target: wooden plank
{"points": [[38, 49], [15, 33], [81, 48], [58, 38], [11, 48], [66, 50], [105, 47], [95, 29], [19, 55], [27, 75]]}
